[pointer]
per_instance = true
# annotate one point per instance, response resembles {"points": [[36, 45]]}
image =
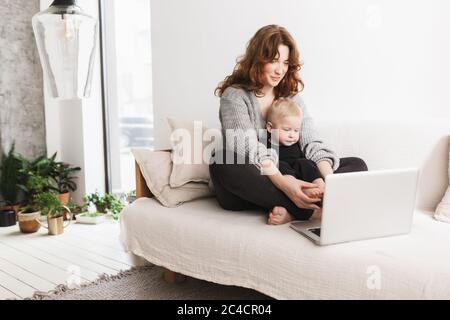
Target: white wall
{"points": [[364, 59]]}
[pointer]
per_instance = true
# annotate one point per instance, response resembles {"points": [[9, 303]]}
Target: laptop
{"points": [[363, 205]]}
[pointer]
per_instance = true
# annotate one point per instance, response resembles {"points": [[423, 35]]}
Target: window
{"points": [[127, 67]]}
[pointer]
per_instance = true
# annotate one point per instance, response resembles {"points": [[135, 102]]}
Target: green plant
{"points": [[115, 206], [76, 209], [36, 184], [130, 196], [98, 200], [92, 214], [38, 176], [105, 203], [45, 202], [11, 176], [43, 166], [63, 175]]}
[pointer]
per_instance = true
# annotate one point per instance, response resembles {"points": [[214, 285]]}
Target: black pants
{"points": [[242, 186], [302, 169]]}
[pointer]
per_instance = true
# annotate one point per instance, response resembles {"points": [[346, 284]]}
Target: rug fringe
{"points": [[63, 288]]}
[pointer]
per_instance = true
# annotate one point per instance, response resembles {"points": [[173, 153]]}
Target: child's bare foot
{"points": [[316, 192], [313, 192], [279, 215], [317, 214]]}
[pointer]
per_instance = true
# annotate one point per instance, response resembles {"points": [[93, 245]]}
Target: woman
{"points": [[267, 71]]}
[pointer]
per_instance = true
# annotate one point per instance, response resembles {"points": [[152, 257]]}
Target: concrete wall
{"points": [[21, 93]]}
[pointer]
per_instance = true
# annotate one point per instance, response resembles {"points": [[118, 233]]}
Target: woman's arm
{"points": [[325, 168], [312, 146], [238, 130]]}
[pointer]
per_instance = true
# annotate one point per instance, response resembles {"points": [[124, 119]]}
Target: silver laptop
{"points": [[364, 205]]}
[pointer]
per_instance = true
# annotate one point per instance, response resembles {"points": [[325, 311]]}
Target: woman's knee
{"points": [[356, 164], [234, 171]]}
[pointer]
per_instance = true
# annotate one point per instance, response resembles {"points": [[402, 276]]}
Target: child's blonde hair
{"points": [[281, 108]]}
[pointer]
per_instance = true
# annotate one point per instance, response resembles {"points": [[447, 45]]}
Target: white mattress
{"points": [[201, 240]]}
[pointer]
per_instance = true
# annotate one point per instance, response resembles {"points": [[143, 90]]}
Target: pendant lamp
{"points": [[66, 39]]}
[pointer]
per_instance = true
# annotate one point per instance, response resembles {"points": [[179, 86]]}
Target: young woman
{"points": [[268, 70]]}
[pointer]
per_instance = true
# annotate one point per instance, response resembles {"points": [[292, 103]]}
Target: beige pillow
{"points": [[192, 144], [443, 209], [156, 167]]}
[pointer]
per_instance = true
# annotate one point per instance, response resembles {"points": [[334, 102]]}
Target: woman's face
{"points": [[274, 72]]}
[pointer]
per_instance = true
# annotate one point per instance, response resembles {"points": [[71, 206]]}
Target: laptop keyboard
{"points": [[316, 231]]}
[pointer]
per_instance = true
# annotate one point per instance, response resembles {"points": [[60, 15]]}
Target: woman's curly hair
{"points": [[261, 49]]}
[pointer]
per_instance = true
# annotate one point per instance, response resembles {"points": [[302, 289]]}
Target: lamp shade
{"points": [[66, 39]]}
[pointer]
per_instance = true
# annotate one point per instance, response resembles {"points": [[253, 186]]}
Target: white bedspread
{"points": [[201, 240]]}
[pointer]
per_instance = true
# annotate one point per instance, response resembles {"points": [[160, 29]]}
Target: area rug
{"points": [[146, 283]]}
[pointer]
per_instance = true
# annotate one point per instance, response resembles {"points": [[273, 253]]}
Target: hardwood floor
{"points": [[40, 262]]}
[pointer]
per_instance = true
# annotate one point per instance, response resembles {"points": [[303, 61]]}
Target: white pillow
{"points": [[443, 209], [156, 167], [192, 144]]}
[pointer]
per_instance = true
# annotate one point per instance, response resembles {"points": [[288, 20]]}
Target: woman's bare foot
{"points": [[279, 215]]}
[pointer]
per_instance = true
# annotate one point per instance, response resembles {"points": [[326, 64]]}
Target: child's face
{"points": [[285, 131]]}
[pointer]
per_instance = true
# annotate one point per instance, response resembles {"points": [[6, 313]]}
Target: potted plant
{"points": [[11, 176], [55, 215], [98, 200], [105, 203], [63, 176], [38, 176], [28, 219], [7, 218], [38, 207]]}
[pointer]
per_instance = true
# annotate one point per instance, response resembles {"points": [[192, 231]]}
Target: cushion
{"points": [[443, 209], [192, 144], [156, 167]]}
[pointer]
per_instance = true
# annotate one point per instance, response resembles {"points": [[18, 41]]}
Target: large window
{"points": [[127, 67]]}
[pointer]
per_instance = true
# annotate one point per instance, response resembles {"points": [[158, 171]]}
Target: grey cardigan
{"points": [[240, 110]]}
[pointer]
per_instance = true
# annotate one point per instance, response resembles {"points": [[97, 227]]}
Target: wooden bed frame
{"points": [[142, 190]]}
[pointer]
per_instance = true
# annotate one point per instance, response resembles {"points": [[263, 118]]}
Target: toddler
{"points": [[284, 120]]}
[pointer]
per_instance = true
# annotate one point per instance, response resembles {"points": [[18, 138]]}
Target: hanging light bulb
{"points": [[66, 38]]}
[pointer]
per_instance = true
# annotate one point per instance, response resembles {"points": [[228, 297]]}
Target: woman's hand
{"points": [[293, 188], [290, 185]]}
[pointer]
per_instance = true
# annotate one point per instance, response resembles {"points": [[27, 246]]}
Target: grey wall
{"points": [[21, 86]]}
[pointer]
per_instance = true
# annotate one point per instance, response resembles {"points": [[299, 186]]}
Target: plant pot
{"points": [[101, 208], [7, 218], [64, 198], [15, 208], [84, 218], [55, 225], [29, 222]]}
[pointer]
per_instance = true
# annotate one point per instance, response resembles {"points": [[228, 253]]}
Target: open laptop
{"points": [[364, 205]]}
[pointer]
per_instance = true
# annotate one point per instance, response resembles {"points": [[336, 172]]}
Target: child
{"points": [[284, 119]]}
